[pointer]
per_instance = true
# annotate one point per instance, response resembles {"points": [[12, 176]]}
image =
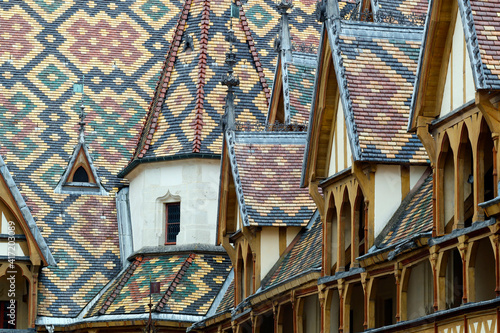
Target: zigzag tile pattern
{"points": [[200, 285], [188, 285], [270, 170], [416, 218], [303, 256], [486, 16], [194, 93], [380, 74], [301, 82], [46, 47]]}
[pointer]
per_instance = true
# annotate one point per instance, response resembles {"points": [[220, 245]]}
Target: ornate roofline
{"points": [[470, 34], [26, 214], [155, 107]]}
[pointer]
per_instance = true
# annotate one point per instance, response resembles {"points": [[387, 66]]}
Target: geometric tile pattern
{"points": [[263, 20], [303, 256], [301, 85], [404, 7], [227, 301], [46, 47], [486, 19], [380, 73], [189, 284], [269, 169], [191, 97], [416, 217]]}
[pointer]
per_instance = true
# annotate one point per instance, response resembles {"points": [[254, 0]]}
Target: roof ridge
{"points": [[202, 64], [149, 125], [253, 51], [187, 263], [126, 276]]}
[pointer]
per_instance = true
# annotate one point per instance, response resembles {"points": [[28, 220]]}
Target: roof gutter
{"points": [[131, 166]]}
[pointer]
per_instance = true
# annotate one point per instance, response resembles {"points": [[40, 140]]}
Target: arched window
{"points": [[80, 175]]}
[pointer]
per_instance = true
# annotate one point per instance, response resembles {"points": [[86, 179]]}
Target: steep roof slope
{"points": [[266, 168], [45, 49]]}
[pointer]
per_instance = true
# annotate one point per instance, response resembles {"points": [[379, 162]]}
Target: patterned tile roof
{"points": [[227, 301], [46, 47], [189, 283], [414, 217], [263, 20], [301, 78], [185, 114], [266, 167], [304, 255], [482, 30], [404, 7], [377, 76]]}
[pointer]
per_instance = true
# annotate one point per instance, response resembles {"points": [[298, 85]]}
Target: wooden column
{"points": [[434, 263], [364, 281], [340, 240], [462, 247], [341, 305], [354, 233], [397, 276]]}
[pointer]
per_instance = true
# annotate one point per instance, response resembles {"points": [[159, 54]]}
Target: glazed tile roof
{"points": [[185, 113], [227, 301], [301, 78], [304, 255], [44, 49], [266, 167], [403, 7], [413, 218], [482, 30], [263, 20], [189, 283], [378, 67]]}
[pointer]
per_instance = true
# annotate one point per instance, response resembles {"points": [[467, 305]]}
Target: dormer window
{"points": [[172, 223], [80, 176]]}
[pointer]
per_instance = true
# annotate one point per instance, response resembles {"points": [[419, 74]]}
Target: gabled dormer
{"points": [[295, 69], [261, 206], [80, 176]]}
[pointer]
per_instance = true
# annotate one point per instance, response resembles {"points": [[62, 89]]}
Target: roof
{"points": [[227, 301], [378, 72], [304, 255], [301, 76], [263, 20], [26, 214], [481, 23], [55, 46], [189, 283], [413, 218], [403, 7], [189, 98], [266, 168]]}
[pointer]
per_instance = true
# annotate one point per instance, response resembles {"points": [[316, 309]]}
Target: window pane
{"points": [[173, 222]]}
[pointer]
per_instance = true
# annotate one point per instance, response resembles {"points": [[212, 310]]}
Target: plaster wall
{"points": [[192, 182], [311, 316], [419, 293], [269, 244], [340, 154], [387, 194], [335, 313], [459, 85], [416, 173], [291, 233]]}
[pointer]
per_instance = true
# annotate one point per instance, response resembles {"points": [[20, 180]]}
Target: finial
{"points": [[230, 81], [82, 123]]}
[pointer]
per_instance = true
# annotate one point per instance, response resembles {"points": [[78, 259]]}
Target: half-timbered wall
{"points": [[340, 156]]}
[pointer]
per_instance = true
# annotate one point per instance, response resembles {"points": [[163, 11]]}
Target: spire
{"points": [[230, 81], [82, 124], [285, 43]]}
